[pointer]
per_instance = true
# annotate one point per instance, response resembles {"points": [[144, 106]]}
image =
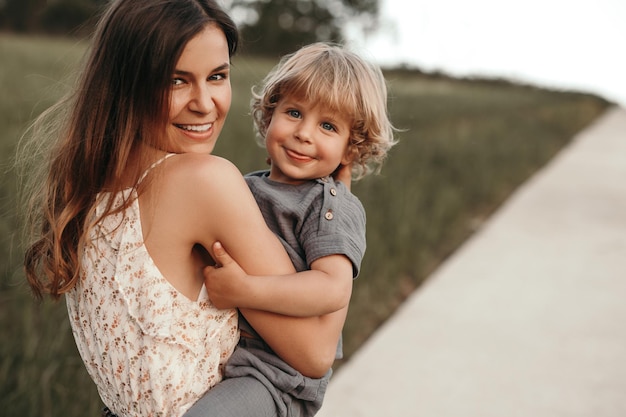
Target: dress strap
{"points": [[152, 166]]}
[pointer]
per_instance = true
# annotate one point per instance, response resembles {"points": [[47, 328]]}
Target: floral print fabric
{"points": [[150, 350]]}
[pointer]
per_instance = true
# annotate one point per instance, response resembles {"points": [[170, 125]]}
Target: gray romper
{"points": [[312, 220]]}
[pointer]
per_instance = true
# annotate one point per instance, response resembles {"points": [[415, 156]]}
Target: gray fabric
{"points": [[235, 397], [258, 383], [297, 214]]}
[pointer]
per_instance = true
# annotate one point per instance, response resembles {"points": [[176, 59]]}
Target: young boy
{"points": [[322, 116]]}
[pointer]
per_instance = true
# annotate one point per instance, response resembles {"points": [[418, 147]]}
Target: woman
{"points": [[129, 199]]}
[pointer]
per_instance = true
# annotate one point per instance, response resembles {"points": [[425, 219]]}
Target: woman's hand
{"points": [[343, 174]]}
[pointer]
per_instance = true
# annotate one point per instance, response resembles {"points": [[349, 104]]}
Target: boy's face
{"points": [[305, 142]]}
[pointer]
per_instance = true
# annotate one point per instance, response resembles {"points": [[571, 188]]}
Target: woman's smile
{"points": [[195, 127]]}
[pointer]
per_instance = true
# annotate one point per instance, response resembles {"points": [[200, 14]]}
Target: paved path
{"points": [[527, 319]]}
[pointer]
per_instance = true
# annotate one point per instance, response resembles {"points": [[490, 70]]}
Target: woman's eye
{"points": [[218, 77], [178, 81]]}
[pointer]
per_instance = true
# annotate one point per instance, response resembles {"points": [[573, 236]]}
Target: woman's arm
{"points": [[307, 344], [324, 289], [220, 207]]}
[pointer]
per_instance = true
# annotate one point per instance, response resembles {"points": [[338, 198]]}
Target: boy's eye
{"points": [[294, 113], [328, 126]]}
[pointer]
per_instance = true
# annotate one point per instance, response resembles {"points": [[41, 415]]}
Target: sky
{"points": [[572, 45]]}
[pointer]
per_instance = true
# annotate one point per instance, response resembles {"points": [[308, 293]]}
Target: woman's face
{"points": [[200, 93]]}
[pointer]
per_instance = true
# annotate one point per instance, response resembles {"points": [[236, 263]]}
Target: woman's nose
{"points": [[202, 100]]}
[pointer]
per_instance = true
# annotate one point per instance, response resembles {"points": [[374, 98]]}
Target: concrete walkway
{"points": [[527, 319]]}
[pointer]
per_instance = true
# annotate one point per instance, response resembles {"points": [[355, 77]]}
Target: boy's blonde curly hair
{"points": [[341, 81]]}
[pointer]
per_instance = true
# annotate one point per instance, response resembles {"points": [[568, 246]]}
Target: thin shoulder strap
{"points": [[153, 165]]}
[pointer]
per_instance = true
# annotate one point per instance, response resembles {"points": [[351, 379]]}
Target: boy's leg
{"points": [[235, 397], [257, 383]]}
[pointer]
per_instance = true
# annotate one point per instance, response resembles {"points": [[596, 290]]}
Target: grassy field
{"points": [[465, 146]]}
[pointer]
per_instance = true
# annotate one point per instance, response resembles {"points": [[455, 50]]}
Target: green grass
{"points": [[465, 146]]}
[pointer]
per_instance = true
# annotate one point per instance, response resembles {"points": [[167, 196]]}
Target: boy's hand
{"points": [[225, 280]]}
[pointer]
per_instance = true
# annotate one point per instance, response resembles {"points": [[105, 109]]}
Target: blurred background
{"points": [[476, 121], [570, 44]]}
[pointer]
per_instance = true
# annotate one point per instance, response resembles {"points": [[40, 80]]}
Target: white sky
{"points": [[579, 45]]}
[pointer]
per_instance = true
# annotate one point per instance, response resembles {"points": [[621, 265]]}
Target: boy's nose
{"points": [[304, 132]]}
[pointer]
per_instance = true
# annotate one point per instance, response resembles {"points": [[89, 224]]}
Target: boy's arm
{"points": [[324, 289]]}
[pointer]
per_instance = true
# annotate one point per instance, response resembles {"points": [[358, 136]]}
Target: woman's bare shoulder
{"points": [[198, 166], [192, 173], [204, 181]]}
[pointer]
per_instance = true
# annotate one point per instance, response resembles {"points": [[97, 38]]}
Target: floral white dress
{"points": [[150, 350]]}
